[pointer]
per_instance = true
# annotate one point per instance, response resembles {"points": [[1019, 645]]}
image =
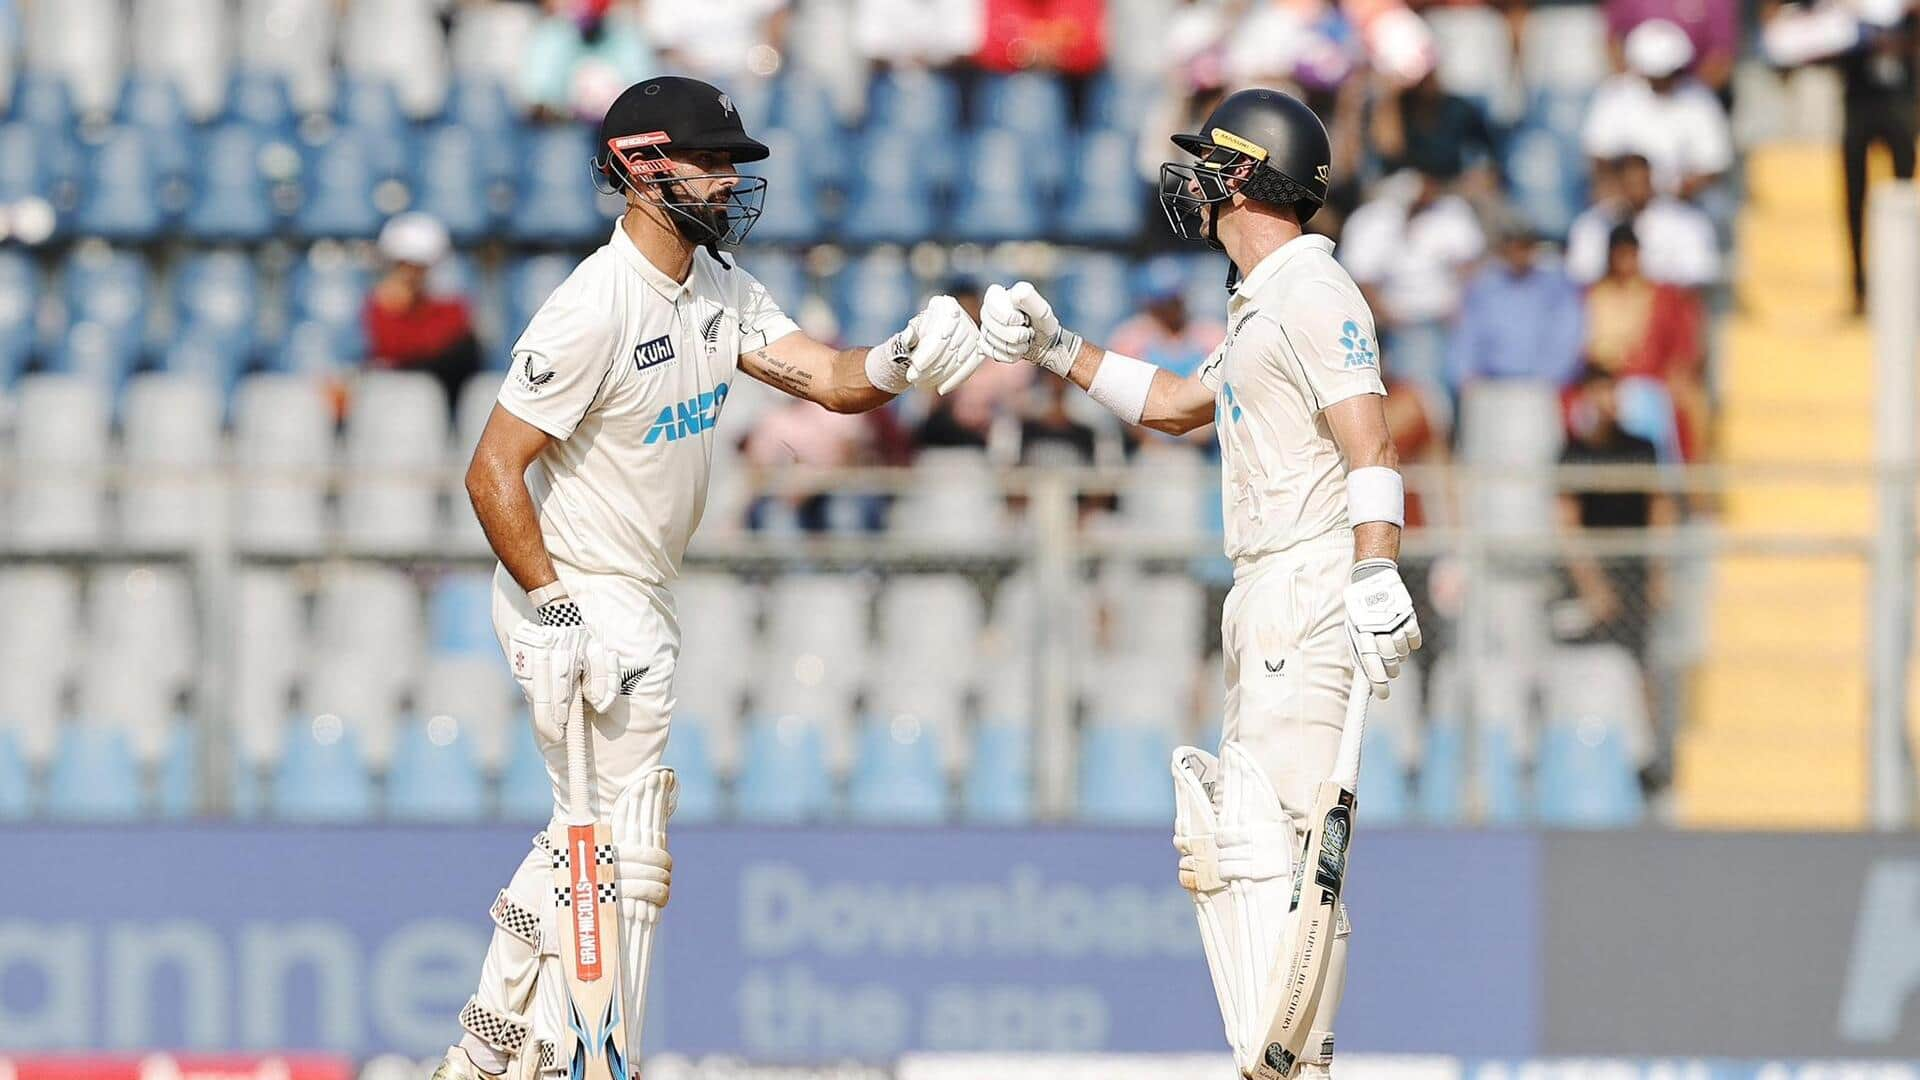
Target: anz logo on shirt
{"points": [[1360, 350], [1226, 406], [690, 417]]}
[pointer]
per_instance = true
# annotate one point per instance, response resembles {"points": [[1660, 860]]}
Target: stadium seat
{"points": [[1000, 197], [401, 44], [19, 305], [322, 776], [1441, 795], [396, 451], [293, 39], [1104, 202], [1092, 293], [450, 183], [489, 41], [784, 776], [1029, 103], [42, 100], [818, 621], [231, 201], [913, 99], [802, 105], [1474, 52], [1382, 790], [999, 784], [783, 273], [258, 100], [96, 354], [1512, 423], [558, 204], [526, 790], [217, 291], [529, 282], [84, 42], [1118, 99], [874, 297], [151, 105], [956, 502], [890, 200], [371, 616], [1549, 176], [16, 780], [479, 693], [122, 199], [142, 615], [270, 643], [1123, 775], [791, 211], [177, 786], [369, 109], [338, 178], [1564, 46], [95, 776], [897, 775], [34, 667], [460, 614], [206, 356], [330, 287], [188, 43], [60, 453], [932, 621], [436, 774], [283, 443], [362, 687], [1584, 779], [1499, 775], [1159, 613], [687, 755], [24, 168]]}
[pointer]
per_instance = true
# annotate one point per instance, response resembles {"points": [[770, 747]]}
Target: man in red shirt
{"points": [[409, 328], [1067, 36]]}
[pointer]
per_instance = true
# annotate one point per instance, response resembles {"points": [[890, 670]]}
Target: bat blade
{"points": [[587, 887]]}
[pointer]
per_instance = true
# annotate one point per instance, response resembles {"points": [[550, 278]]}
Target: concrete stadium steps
{"points": [[1776, 736]]}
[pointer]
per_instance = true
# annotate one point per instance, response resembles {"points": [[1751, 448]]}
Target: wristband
{"points": [[887, 363], [1376, 493], [548, 593], [1122, 383]]}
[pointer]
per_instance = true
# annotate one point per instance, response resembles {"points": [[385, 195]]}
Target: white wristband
{"points": [[887, 364], [547, 594], [1376, 493], [1122, 384]]}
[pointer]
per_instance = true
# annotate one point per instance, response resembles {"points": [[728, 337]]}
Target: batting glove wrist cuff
{"points": [[1366, 568], [887, 362], [561, 613]]}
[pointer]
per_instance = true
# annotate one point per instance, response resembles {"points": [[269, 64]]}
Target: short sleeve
{"points": [[1213, 370], [761, 321], [1327, 343], [564, 358]]}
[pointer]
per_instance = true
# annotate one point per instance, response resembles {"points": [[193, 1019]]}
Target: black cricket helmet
{"points": [[673, 114], [1263, 144]]}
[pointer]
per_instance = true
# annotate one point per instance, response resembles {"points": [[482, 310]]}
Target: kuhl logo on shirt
{"points": [[648, 353], [690, 417]]}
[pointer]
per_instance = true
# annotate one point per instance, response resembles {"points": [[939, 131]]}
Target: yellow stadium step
{"points": [[1810, 782], [1778, 694], [1797, 178]]}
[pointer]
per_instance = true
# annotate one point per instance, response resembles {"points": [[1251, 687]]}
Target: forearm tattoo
{"points": [[789, 377]]}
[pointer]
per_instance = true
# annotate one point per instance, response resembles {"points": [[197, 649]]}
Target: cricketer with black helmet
{"points": [[589, 479], [1313, 505]]}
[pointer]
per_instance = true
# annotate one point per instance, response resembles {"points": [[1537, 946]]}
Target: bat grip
{"points": [[1346, 762], [579, 780]]}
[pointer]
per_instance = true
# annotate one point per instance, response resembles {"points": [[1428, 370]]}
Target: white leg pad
{"points": [[1236, 848], [496, 1018], [639, 827]]}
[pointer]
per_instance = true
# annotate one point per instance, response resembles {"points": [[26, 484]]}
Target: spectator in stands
{"points": [[1422, 126], [581, 56], [408, 326], [1638, 327], [1410, 249], [1655, 109], [719, 40], [1521, 319], [794, 432], [1163, 333], [1067, 36], [1677, 242], [1712, 28], [1876, 47], [979, 410], [916, 33]]}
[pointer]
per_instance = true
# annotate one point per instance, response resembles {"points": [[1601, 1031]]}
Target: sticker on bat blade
{"points": [[1333, 848]]}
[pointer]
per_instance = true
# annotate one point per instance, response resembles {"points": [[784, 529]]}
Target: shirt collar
{"points": [[622, 244], [1278, 257]]}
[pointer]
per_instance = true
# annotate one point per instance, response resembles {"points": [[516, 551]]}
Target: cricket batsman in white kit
{"points": [[589, 479], [1313, 510]]}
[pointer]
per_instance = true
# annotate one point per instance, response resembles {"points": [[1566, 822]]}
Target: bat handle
{"points": [[1346, 762], [579, 780]]}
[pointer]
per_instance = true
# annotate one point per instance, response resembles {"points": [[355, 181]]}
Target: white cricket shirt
{"points": [[1299, 338], [628, 371]]}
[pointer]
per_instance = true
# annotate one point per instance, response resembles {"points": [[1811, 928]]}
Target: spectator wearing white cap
{"points": [[1655, 109], [410, 327]]}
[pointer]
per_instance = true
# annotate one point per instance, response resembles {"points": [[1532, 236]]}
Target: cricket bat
{"points": [[587, 888], [1293, 987]]}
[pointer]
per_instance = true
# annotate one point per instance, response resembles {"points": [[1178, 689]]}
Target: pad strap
{"points": [[508, 915], [505, 1032]]}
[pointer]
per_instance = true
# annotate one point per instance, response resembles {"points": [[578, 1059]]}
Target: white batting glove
{"points": [[1380, 621], [939, 347], [1046, 342], [558, 657]]}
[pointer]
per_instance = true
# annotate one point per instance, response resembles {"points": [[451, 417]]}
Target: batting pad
{"points": [[1236, 849]]}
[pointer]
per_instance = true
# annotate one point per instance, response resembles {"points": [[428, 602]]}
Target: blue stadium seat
{"points": [[449, 182], [480, 105], [873, 297], [371, 110], [322, 776], [1584, 778], [913, 99], [1104, 201], [791, 214], [1091, 291], [783, 273], [331, 290], [152, 104], [435, 776], [1030, 102], [19, 305], [259, 100], [526, 791], [16, 781], [96, 352], [178, 795], [43, 100], [339, 179], [460, 614], [692, 764], [1123, 775], [897, 775], [557, 197], [1500, 776], [219, 292], [94, 776], [311, 347], [1382, 793], [784, 775], [1116, 99], [891, 198], [1549, 176], [122, 199], [231, 201], [1442, 795], [23, 165], [999, 784], [529, 282], [1001, 197], [109, 287], [801, 104]]}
